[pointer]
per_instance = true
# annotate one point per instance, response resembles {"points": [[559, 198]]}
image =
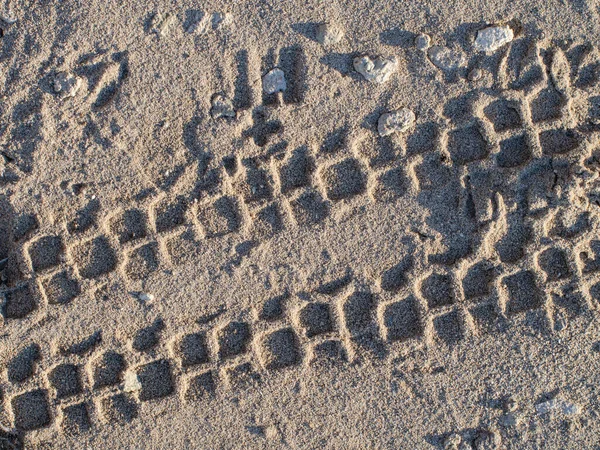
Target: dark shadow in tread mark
{"points": [[559, 141], [293, 63], [31, 410], [402, 320], [242, 97], [335, 140], [514, 152], [156, 380], [110, 91], [395, 277], [467, 145], [86, 217], [503, 115], [22, 366]]}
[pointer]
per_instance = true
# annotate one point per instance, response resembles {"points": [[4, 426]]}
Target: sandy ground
{"points": [[189, 261]]}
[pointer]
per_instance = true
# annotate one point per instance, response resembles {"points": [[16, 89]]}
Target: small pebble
{"points": [[274, 81], [475, 74], [146, 297], [376, 70], [445, 58], [329, 34], [509, 420], [221, 107], [423, 42], [131, 382], [395, 121], [491, 39], [66, 85], [557, 404]]}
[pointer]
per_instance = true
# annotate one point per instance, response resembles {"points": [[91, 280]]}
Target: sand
{"points": [[195, 256]]}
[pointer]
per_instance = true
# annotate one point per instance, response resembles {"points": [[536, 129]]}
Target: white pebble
{"points": [[66, 85], [557, 404], [274, 81], [329, 34], [131, 382], [377, 70], [395, 121], [145, 297], [445, 58], [221, 107], [423, 42], [491, 39]]}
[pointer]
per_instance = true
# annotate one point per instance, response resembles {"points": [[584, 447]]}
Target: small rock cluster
{"points": [[66, 85], [395, 121], [492, 38], [377, 69], [274, 81]]}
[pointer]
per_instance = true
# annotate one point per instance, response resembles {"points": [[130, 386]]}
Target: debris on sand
{"points": [[329, 34], [445, 58], [376, 70], [423, 42], [274, 81], [66, 85], [145, 297], [221, 107], [492, 38], [559, 405], [131, 382], [395, 121], [161, 23]]}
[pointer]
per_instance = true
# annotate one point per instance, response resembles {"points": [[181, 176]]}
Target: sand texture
{"points": [[299, 225]]}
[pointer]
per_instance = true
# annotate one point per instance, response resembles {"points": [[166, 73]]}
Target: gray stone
{"points": [[491, 39], [274, 81], [423, 42], [376, 70], [557, 405], [395, 121]]}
